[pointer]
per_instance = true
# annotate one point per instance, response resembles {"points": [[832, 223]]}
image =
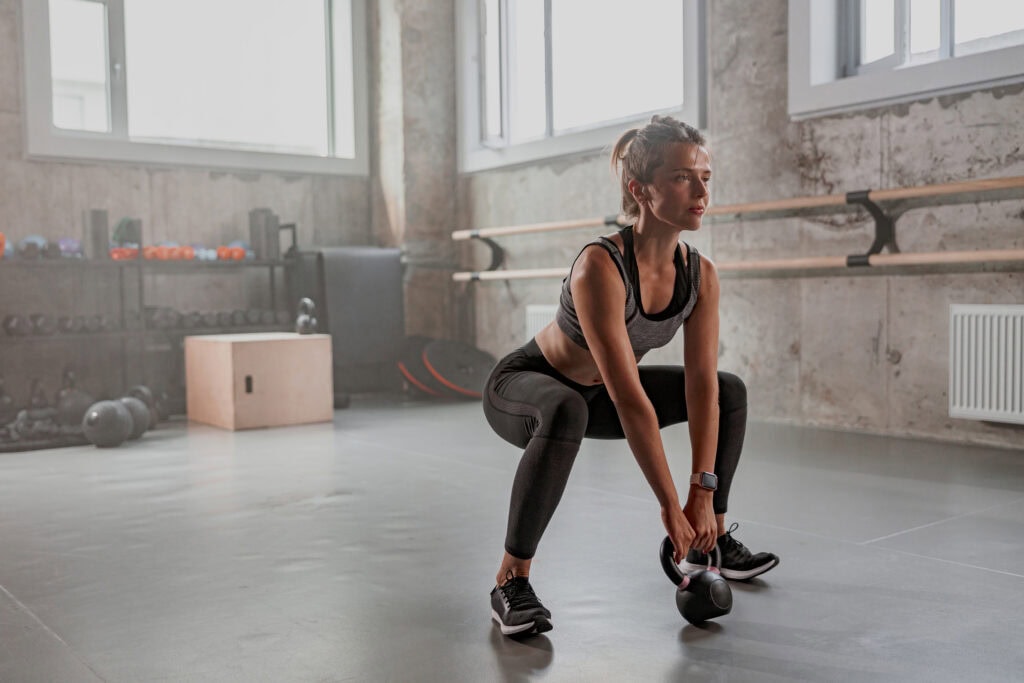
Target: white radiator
{"points": [[986, 363], [537, 316]]}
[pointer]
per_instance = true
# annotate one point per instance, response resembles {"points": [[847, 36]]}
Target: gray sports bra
{"points": [[646, 331]]}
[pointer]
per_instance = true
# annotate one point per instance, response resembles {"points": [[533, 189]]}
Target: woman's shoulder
{"points": [[601, 258], [615, 238]]}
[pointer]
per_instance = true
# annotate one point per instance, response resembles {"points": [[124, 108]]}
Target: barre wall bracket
{"points": [[497, 252], [885, 229]]}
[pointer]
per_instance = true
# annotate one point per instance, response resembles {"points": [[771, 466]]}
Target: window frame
{"points": [[45, 141], [477, 154], [820, 57]]}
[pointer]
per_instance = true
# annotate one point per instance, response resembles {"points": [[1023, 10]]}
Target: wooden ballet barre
{"points": [[990, 189], [539, 227], [854, 263], [900, 199], [528, 274]]}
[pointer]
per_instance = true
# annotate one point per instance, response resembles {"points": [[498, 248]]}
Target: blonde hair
{"points": [[639, 151]]}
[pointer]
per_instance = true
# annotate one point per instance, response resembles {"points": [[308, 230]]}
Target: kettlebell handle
{"points": [[672, 570]]}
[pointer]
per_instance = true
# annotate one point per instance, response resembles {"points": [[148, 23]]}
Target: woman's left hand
{"points": [[701, 515]]}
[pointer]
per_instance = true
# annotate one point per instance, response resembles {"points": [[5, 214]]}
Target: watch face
{"points": [[708, 480]]}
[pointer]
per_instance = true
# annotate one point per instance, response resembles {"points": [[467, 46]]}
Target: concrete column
{"points": [[414, 153]]}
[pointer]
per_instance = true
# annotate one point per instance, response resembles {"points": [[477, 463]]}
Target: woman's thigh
{"points": [[665, 386], [523, 404]]}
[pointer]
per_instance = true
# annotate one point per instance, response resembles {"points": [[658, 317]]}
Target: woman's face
{"points": [[679, 194]]}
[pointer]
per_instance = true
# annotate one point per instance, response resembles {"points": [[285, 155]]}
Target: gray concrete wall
{"points": [[861, 353]]}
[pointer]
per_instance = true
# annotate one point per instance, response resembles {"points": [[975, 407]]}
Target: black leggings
{"points": [[533, 406]]}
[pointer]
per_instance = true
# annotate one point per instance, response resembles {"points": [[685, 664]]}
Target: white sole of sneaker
{"points": [[750, 573], [733, 574], [541, 625]]}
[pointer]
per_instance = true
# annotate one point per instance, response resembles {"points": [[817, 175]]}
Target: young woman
{"points": [[626, 294]]}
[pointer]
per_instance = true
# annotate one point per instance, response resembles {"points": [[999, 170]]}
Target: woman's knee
{"points": [[563, 416], [732, 392]]}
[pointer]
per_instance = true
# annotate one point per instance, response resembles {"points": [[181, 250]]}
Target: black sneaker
{"points": [[517, 608], [736, 563]]}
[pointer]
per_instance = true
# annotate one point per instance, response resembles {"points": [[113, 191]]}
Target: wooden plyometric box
{"points": [[242, 381]]}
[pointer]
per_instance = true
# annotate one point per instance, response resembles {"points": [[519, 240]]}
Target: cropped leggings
{"points": [[531, 405]]}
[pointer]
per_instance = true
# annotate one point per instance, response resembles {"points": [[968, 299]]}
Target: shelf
{"points": [[192, 266], [80, 337], [68, 263], [178, 266]]}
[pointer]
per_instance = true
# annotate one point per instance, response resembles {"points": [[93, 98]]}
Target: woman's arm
{"points": [[600, 298], [700, 357]]}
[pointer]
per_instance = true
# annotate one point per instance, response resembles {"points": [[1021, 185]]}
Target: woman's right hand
{"points": [[679, 531]]}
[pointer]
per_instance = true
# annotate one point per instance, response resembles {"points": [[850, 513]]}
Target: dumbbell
{"points": [[17, 326], [70, 324], [700, 595], [43, 324]]}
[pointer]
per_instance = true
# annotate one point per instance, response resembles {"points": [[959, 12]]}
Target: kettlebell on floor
{"points": [[700, 595]]}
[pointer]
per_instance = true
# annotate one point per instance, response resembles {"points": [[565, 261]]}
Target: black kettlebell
{"points": [[7, 408], [71, 402], [700, 595]]}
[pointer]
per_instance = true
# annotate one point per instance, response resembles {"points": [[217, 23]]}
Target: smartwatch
{"points": [[705, 480]]}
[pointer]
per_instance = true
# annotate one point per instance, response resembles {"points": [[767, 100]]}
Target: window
{"points": [[253, 84], [544, 78], [851, 54], [898, 33]]}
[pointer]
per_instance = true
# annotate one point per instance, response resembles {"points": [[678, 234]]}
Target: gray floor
{"points": [[365, 550]]}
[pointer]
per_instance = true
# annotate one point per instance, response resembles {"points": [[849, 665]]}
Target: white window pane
{"points": [[492, 69], [237, 73], [877, 35], [78, 65], [527, 87], [344, 77], [594, 80], [987, 25], [925, 25]]}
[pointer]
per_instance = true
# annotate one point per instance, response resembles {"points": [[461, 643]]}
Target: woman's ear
{"points": [[636, 189]]}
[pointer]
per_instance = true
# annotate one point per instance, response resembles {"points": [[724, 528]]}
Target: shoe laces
{"points": [[519, 593], [733, 546]]}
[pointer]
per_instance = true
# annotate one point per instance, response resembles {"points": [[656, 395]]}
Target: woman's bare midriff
{"points": [[573, 361]]}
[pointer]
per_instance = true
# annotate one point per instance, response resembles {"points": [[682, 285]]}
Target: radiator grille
{"points": [[986, 363], [537, 316]]}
